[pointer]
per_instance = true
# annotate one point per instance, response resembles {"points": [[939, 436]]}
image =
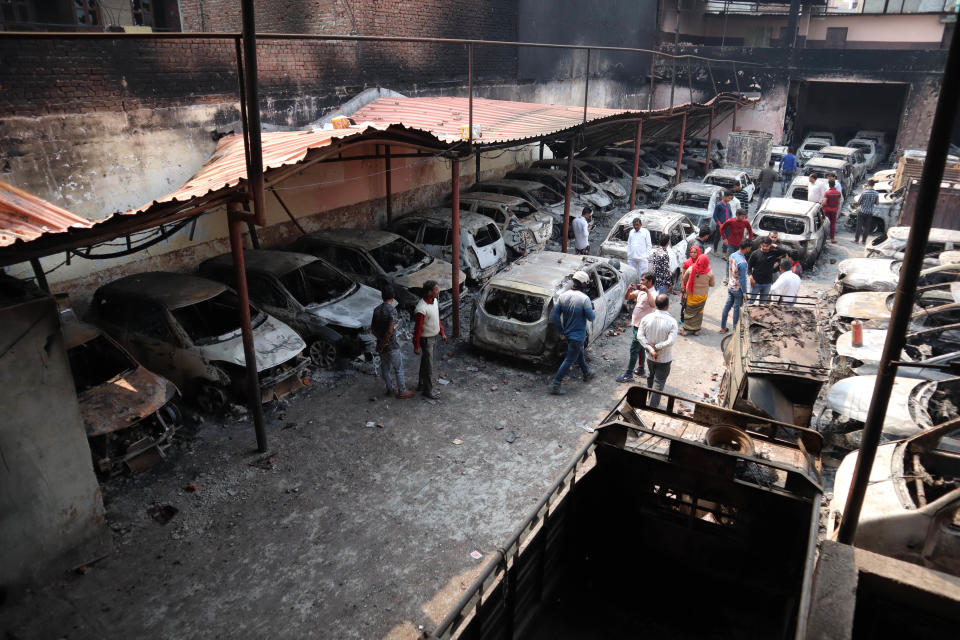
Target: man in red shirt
{"points": [[831, 207], [732, 231]]}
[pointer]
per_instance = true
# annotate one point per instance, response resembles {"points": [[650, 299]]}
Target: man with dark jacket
{"points": [[570, 315], [761, 265]]}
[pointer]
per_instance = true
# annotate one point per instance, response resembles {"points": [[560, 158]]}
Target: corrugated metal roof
{"points": [[24, 216]]}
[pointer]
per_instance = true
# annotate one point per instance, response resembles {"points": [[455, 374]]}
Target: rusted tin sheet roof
{"points": [[24, 216]]}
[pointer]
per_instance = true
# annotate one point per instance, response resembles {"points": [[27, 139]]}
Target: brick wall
{"points": [[49, 77]]}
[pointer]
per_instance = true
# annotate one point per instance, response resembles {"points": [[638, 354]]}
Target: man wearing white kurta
{"points": [[638, 248], [787, 286]]}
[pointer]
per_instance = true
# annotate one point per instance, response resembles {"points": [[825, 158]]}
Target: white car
{"points": [[895, 243], [883, 149], [524, 229], [187, 329], [865, 359], [869, 150], [681, 232], [911, 510], [826, 166], [696, 201], [800, 225], [883, 274], [729, 178], [848, 154], [811, 147], [825, 135], [848, 401]]}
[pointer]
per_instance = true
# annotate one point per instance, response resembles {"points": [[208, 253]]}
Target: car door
{"points": [[271, 297], [614, 287], [595, 293], [820, 230], [154, 343], [678, 246], [435, 240]]}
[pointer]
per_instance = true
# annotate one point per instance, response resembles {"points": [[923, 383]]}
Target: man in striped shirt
{"points": [[868, 200], [657, 334]]}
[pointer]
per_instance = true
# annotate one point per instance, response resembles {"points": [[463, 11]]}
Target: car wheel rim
{"points": [[323, 354]]}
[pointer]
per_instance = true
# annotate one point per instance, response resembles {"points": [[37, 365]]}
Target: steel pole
{"points": [[255, 159], [569, 195], [39, 274], [940, 134], [683, 134], [470, 93], [455, 241], [736, 107], [636, 166], [389, 183], [586, 88], [706, 168], [653, 80], [235, 217]]}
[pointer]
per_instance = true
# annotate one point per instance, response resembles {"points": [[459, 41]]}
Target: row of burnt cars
{"points": [[799, 365]]}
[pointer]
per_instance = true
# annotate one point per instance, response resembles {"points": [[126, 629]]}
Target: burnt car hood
{"points": [[124, 401], [274, 342], [352, 311], [906, 415], [869, 274], [864, 305], [439, 270]]}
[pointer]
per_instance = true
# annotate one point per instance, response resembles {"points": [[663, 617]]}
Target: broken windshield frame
{"points": [[783, 224], [96, 362], [399, 255], [689, 199], [214, 319], [511, 305], [317, 283]]}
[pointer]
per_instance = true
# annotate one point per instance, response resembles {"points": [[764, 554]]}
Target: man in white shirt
{"points": [[816, 188], [426, 329], [638, 247], [657, 334], [581, 232], [787, 285]]}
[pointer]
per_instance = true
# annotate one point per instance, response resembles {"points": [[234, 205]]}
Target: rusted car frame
{"points": [[523, 227]]}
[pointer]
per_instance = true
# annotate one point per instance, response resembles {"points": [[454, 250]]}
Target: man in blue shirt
{"points": [[721, 213], [570, 315], [736, 284], [788, 169]]}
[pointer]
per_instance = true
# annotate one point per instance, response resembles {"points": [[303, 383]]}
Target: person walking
{"points": [[785, 289], [426, 329], [736, 284], [581, 232], [815, 188], [831, 207], [697, 280], [733, 231], [570, 315], [788, 169], [735, 203], [657, 334], [693, 253], [660, 265], [765, 183], [645, 297], [721, 213], [868, 200], [638, 247], [383, 326], [703, 239], [760, 267]]}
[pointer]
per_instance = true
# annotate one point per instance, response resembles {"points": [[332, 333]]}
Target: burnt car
{"points": [[894, 243], [524, 229], [883, 274], [375, 257], [331, 312], [659, 223], [800, 225], [556, 179], [187, 329], [130, 413], [612, 183], [545, 199], [482, 250], [730, 178], [931, 353], [885, 214], [512, 313], [777, 360], [911, 510], [696, 201], [915, 404], [825, 166]]}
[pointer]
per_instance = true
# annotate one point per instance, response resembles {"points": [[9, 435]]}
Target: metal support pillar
{"points": [[706, 168], [636, 167], [40, 275], [793, 20], [683, 134], [567, 197], [389, 182], [653, 81], [736, 107], [455, 241], [943, 122], [541, 149], [235, 219], [252, 133], [470, 94], [476, 177], [586, 88]]}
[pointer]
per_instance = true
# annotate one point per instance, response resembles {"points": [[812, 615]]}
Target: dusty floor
{"points": [[342, 530]]}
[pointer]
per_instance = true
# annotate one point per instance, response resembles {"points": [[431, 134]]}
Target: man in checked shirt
{"points": [[868, 200]]}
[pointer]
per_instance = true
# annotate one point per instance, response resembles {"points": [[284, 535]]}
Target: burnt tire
{"points": [[210, 397], [322, 353]]}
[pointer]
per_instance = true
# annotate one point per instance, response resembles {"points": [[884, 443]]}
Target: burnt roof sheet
{"points": [[26, 217]]}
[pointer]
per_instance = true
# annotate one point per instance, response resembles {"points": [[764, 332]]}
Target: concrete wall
{"points": [[50, 501]]}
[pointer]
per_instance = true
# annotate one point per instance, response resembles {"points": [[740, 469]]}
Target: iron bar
{"points": [[653, 80], [288, 212], [673, 82], [793, 22], [683, 134], [636, 167], [241, 87], [736, 78], [736, 107], [713, 82], [476, 177], [470, 94], [235, 223], [39, 274], [388, 179], [937, 148], [455, 241], [541, 149], [690, 80], [706, 168], [568, 197], [254, 238], [255, 159], [586, 88]]}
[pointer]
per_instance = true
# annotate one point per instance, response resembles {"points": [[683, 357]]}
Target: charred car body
{"points": [[556, 179], [932, 308], [728, 178], [883, 274], [545, 199], [375, 257], [513, 311], [331, 312], [696, 201], [524, 229], [187, 329], [826, 166], [482, 250], [658, 222], [801, 226], [895, 242], [130, 413]]}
